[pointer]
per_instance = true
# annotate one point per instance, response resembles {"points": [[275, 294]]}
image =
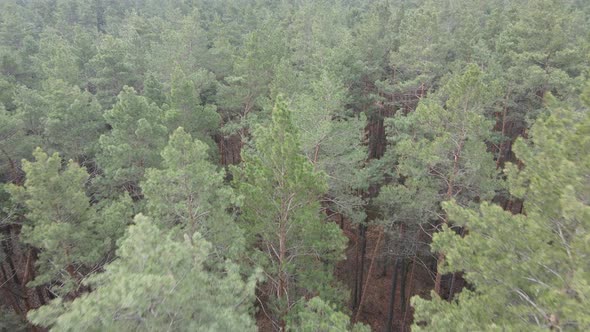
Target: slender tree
{"points": [[188, 194], [74, 121], [280, 212], [133, 144], [187, 110], [443, 144]]}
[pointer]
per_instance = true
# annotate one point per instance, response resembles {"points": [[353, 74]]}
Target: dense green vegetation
{"points": [[210, 164]]}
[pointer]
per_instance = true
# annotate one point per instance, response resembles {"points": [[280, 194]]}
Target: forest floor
{"points": [[375, 301]]}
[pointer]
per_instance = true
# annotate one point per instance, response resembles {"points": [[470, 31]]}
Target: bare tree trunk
{"points": [[384, 267], [438, 279], [12, 273], [411, 285], [356, 317], [9, 295], [391, 309], [451, 286], [282, 291], [316, 154], [402, 289], [360, 266]]}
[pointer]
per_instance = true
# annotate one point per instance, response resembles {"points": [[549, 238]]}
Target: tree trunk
{"points": [[282, 293], [316, 155], [413, 262], [8, 251], [391, 309], [369, 273], [9, 296], [384, 267], [15, 176], [438, 279], [448, 196], [402, 289], [360, 266], [18, 283], [451, 285], [362, 262]]}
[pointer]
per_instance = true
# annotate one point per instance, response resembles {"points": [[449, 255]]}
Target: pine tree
{"points": [[31, 108], [527, 271], [441, 147], [58, 58], [133, 144], [14, 145], [280, 213], [245, 90], [74, 121], [116, 64], [332, 137], [187, 110], [157, 283], [188, 193], [71, 234], [153, 90]]}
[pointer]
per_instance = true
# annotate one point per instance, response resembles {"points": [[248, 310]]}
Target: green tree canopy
{"points": [[134, 143], [157, 283], [70, 233], [528, 271], [188, 193], [280, 213]]}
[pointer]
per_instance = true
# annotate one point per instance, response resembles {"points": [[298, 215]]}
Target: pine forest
{"points": [[294, 165]]}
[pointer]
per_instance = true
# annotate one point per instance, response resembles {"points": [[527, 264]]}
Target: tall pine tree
{"points": [[281, 216], [188, 194]]}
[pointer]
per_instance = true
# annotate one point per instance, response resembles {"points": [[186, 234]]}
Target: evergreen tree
{"points": [[153, 90], [7, 90], [157, 283], [116, 64], [441, 147], [57, 58], [74, 120], [187, 110], [183, 45], [246, 90], [188, 193], [332, 137], [31, 108], [134, 143], [14, 144], [214, 67], [280, 213], [61, 223], [527, 271]]}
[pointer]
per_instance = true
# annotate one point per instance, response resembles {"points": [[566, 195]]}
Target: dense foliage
{"points": [[224, 165]]}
